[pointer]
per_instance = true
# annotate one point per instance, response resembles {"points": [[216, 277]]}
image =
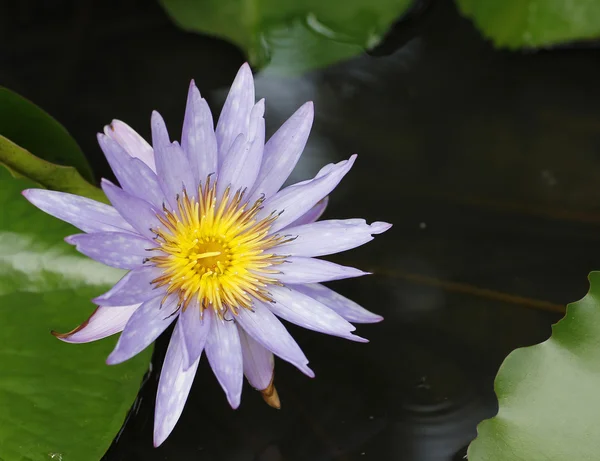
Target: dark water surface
{"points": [[487, 163]]}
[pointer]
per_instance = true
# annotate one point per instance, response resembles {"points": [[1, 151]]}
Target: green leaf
{"points": [[534, 23], [56, 398], [23, 164], [291, 35], [549, 394], [34, 130]]}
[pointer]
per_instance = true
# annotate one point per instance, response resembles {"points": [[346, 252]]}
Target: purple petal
{"points": [[134, 287], [139, 213], [194, 329], [302, 310], [297, 269], [268, 331], [258, 362], [174, 172], [150, 189], [145, 325], [283, 150], [348, 309], [104, 321], [135, 177], [131, 141], [235, 116], [224, 353], [236, 152], [328, 237], [84, 213], [198, 138], [311, 215], [240, 166], [116, 249], [173, 388], [160, 134], [293, 201]]}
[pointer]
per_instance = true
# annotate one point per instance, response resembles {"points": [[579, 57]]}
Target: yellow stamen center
{"points": [[215, 251]]}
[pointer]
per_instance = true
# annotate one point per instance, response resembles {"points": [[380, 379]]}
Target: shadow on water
{"points": [[485, 161]]}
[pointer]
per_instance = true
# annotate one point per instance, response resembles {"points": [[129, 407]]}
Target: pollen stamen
{"points": [[215, 251]]}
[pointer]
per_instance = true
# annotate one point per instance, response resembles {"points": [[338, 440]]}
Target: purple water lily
{"points": [[211, 243]]}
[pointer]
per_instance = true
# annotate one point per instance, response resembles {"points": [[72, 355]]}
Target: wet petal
{"points": [[297, 269], [224, 353], [328, 237], [311, 215], [131, 141], [134, 287], [84, 213], [172, 166], [240, 166], [302, 310], [283, 150], [258, 362], [135, 177], [293, 201], [235, 116], [160, 134], [145, 325], [139, 213], [116, 249], [173, 387], [348, 309], [198, 138], [104, 321], [268, 331], [194, 330], [174, 173]]}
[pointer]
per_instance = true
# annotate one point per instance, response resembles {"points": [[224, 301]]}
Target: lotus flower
{"points": [[212, 244]]}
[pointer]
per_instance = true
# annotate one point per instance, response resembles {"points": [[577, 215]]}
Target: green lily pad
{"points": [[291, 36], [34, 130], [534, 23], [59, 401], [23, 164], [35, 146], [549, 394]]}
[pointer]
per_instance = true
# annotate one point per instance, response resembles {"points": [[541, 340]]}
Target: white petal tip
{"points": [[70, 239], [114, 359], [374, 319], [358, 339], [159, 439], [307, 371], [234, 403], [379, 227]]}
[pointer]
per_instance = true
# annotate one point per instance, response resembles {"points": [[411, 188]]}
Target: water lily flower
{"points": [[212, 243]]}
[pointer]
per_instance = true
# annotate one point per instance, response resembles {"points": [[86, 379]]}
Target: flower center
{"points": [[208, 254], [214, 252]]}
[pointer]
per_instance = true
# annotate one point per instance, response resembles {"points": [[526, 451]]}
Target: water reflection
{"points": [[484, 161]]}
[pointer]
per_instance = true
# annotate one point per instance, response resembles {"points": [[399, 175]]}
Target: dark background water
{"points": [[487, 162]]}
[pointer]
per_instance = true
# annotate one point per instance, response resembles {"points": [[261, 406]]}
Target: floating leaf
{"points": [[34, 130], [292, 35], [534, 23], [549, 394], [23, 164], [58, 401]]}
